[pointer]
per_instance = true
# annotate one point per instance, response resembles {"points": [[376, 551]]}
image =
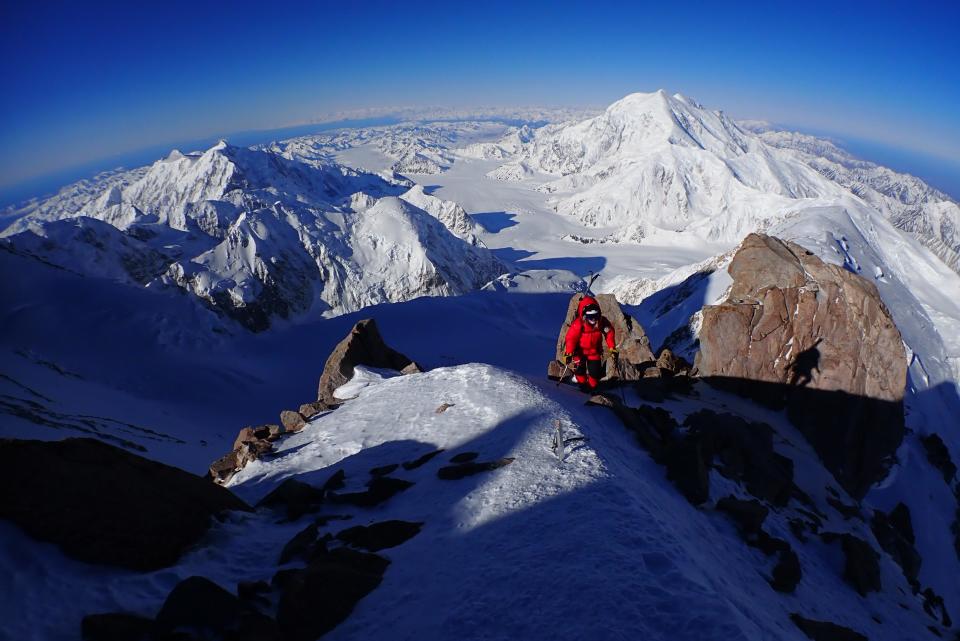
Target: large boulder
{"points": [[817, 339], [102, 504], [632, 341], [362, 346]]}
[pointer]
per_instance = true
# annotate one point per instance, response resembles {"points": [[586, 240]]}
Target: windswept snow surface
{"points": [[597, 545]]}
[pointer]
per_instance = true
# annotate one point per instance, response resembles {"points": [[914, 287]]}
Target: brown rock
{"points": [[223, 469], [292, 421], [309, 410], [634, 346], [363, 346], [101, 504], [670, 362], [796, 331]]}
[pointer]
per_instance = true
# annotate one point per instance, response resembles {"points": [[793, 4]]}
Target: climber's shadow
{"points": [[804, 365]]}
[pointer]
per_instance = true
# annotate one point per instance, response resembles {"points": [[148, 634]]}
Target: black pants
{"points": [[589, 372]]}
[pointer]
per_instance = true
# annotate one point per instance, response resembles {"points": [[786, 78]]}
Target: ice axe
{"points": [[563, 374]]}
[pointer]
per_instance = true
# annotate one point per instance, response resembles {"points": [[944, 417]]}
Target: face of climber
{"points": [[592, 316]]}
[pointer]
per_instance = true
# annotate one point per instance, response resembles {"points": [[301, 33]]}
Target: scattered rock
{"points": [[444, 407], [421, 461], [322, 595], [251, 444], [934, 606], [634, 346], [748, 515], [819, 340], [379, 490], [687, 462], [301, 545], [253, 591], [310, 410], [363, 346], [254, 434], [862, 567], [824, 630], [380, 536], [292, 421], [745, 453], [455, 472], [846, 511], [101, 504], [198, 602], [115, 626], [384, 469], [787, 572], [670, 364], [464, 457], [939, 456], [894, 533], [295, 497]]}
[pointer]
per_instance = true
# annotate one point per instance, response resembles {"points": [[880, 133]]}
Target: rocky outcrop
{"points": [[362, 346], [251, 444], [101, 504], [632, 341], [817, 339]]}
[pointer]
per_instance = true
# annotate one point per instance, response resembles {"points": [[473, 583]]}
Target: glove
{"points": [[567, 358]]}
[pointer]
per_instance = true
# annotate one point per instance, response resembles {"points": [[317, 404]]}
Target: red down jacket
{"points": [[584, 339]]}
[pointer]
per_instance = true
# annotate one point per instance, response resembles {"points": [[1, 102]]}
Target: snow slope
{"points": [[597, 545]]}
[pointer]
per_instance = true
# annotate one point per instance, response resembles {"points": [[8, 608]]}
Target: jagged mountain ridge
{"points": [[260, 236], [654, 164]]}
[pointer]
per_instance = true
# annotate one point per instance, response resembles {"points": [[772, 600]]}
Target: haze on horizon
{"points": [[91, 82]]}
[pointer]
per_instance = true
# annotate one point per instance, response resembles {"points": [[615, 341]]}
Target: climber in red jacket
{"points": [[583, 344]]}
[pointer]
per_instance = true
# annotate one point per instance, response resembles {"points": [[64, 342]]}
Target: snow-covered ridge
{"points": [[261, 236]]}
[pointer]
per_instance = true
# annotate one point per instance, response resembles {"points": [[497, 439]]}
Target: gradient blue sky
{"points": [[86, 81]]}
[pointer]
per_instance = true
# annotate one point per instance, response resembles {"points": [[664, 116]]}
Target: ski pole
{"points": [[563, 374]]}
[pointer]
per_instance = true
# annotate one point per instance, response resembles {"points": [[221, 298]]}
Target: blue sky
{"points": [[88, 81]]}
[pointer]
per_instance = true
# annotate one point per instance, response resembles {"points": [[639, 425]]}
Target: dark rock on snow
{"points": [[787, 572], [826, 347], [380, 536], [101, 504], [894, 533], [939, 456], [748, 515], [198, 606], [824, 630], [320, 596], [295, 497], [115, 626], [363, 346], [862, 566], [464, 457]]}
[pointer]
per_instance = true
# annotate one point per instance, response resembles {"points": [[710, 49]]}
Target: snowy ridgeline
{"points": [[589, 542], [261, 237]]}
